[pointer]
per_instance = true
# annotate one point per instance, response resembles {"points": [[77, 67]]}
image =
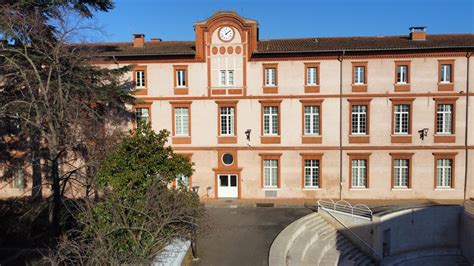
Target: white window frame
{"points": [[181, 81], [399, 171], [359, 173], [181, 121], [356, 116], [445, 78], [182, 181], [140, 79], [141, 116], [311, 76], [270, 77], [226, 78], [270, 173], [312, 119], [444, 174], [402, 74], [312, 173], [270, 120], [359, 75], [444, 119], [227, 118], [401, 117]]}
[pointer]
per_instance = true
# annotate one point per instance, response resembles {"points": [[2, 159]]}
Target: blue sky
{"points": [[173, 20]]}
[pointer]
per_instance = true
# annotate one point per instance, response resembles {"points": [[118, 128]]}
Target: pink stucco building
{"points": [[351, 117]]}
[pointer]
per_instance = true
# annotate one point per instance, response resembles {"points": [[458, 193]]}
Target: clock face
{"points": [[226, 33]]}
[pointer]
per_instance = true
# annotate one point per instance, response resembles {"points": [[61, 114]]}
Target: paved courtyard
{"points": [[243, 235]]}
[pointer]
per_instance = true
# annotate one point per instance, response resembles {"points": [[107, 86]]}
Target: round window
{"points": [[227, 159]]}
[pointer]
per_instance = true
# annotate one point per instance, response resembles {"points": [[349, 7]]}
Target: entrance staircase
{"points": [[313, 241]]}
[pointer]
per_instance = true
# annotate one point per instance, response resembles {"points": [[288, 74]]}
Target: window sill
{"points": [[401, 138], [181, 91], [358, 189], [359, 138], [311, 88], [359, 87], [140, 91], [401, 189], [445, 86], [270, 89], [402, 87], [181, 140], [270, 139], [311, 139], [270, 189], [444, 189], [448, 138], [227, 139], [312, 188]]}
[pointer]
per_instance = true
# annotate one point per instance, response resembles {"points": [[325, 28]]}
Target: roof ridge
{"points": [[371, 36]]}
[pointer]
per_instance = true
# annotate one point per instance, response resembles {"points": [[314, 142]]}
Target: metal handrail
{"points": [[344, 207]]}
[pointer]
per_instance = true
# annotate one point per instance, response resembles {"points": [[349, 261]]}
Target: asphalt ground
{"points": [[243, 235]]}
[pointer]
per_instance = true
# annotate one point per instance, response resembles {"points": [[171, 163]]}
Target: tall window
{"points": [[311, 173], [359, 173], [444, 173], [402, 74], [359, 75], [227, 120], [401, 173], [311, 120], [226, 78], [182, 181], [311, 76], [402, 119], [19, 179], [181, 115], [445, 73], [444, 119], [270, 76], [140, 78], [142, 116], [359, 119], [270, 173], [181, 78], [270, 120]]}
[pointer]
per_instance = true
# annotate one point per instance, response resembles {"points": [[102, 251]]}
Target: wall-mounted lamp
{"points": [[423, 133]]}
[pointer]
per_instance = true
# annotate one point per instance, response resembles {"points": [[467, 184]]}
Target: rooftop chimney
{"points": [[155, 40], [138, 40], [418, 33]]}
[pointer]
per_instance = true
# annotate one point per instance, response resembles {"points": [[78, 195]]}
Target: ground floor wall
{"points": [[248, 166]]}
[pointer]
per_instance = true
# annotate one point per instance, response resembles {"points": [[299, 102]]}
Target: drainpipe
{"points": [[340, 123], [466, 159]]}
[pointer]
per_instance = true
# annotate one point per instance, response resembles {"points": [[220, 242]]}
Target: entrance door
{"points": [[227, 186]]}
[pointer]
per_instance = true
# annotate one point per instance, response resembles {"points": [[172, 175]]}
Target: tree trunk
{"points": [[56, 208], [37, 191]]}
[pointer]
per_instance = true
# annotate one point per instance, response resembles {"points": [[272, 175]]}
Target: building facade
{"points": [[351, 117]]}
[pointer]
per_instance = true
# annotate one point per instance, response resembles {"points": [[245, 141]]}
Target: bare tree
{"points": [[60, 100]]}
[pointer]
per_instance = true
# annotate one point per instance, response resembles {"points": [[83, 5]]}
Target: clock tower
{"points": [[225, 41]]}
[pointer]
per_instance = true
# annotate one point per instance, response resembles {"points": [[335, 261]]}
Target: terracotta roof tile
{"points": [[364, 43], [163, 48], [303, 45]]}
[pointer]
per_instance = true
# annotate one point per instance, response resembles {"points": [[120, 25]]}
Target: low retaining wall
{"points": [[177, 253], [405, 232]]}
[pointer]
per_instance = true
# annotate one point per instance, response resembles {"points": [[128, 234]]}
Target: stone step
{"points": [[301, 244]]}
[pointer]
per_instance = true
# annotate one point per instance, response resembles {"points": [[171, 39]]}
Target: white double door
{"points": [[227, 186]]}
